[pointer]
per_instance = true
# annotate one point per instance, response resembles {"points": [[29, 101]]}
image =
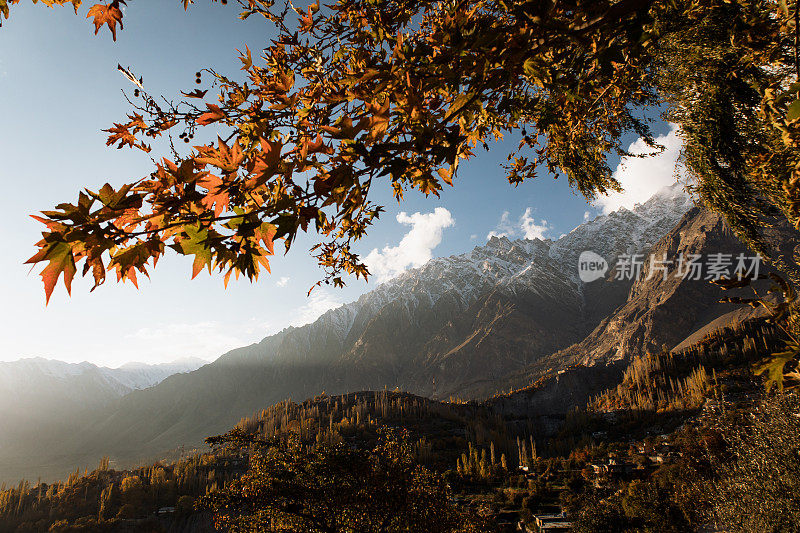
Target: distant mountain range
{"points": [[42, 397], [36, 375], [501, 316]]}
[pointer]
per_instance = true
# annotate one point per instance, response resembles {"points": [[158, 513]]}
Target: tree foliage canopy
{"points": [[292, 486], [755, 486], [362, 93]]}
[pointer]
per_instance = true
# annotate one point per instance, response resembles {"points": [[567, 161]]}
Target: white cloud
{"points": [[208, 339], [641, 177], [586, 215], [316, 304], [526, 226], [282, 282], [504, 227], [416, 246], [167, 342], [530, 229], [319, 301]]}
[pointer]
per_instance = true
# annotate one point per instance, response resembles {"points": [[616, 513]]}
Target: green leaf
{"points": [[529, 66], [774, 366], [197, 244], [793, 113]]}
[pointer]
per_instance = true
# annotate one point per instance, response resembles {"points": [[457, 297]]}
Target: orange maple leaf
{"points": [[265, 164], [197, 93], [266, 233], [378, 123], [108, 14], [446, 174], [217, 195], [60, 259], [225, 157], [246, 59], [315, 146], [213, 115], [120, 133]]}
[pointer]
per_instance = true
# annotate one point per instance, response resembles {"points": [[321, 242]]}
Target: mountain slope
{"points": [[457, 325], [659, 313], [662, 312], [45, 401]]}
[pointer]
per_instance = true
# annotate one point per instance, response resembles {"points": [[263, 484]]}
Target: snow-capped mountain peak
{"points": [[510, 265], [505, 261]]}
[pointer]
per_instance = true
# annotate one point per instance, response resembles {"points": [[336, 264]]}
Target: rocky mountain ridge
{"points": [[516, 264], [545, 268]]}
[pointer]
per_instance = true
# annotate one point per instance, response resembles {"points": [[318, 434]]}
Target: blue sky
{"points": [[59, 88]]}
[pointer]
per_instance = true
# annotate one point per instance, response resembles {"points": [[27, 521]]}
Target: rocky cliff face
{"points": [[659, 313]]}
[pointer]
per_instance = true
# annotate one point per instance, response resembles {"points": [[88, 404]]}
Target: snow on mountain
{"points": [[137, 376], [521, 263], [547, 268], [26, 375], [624, 231], [14, 371], [505, 262]]}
